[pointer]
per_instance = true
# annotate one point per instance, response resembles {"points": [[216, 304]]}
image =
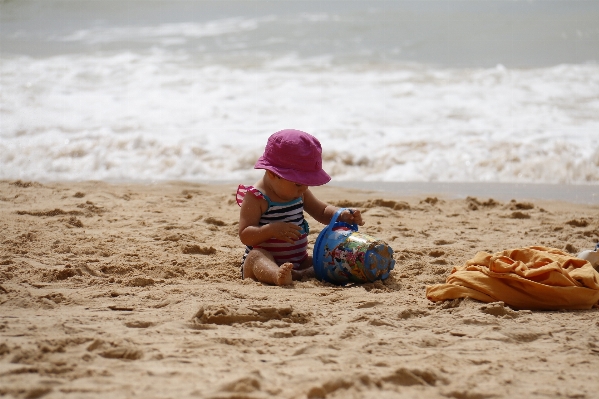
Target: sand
{"points": [[132, 290]]}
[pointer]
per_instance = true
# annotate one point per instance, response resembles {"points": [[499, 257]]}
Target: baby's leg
{"points": [[260, 265], [306, 270]]}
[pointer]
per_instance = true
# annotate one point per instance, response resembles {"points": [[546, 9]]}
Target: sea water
{"points": [[396, 91]]}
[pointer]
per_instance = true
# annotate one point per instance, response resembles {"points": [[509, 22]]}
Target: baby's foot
{"points": [[284, 274]]}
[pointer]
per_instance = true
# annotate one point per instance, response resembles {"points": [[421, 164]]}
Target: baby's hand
{"points": [[352, 216], [287, 232]]}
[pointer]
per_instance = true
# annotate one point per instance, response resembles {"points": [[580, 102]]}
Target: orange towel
{"points": [[524, 278]]}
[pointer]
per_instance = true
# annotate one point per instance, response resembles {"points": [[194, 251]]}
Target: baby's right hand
{"points": [[351, 216], [287, 232]]}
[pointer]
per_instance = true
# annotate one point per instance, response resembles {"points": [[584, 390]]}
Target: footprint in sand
{"points": [[122, 353], [56, 297], [53, 212], [111, 350], [525, 335], [381, 203], [243, 385], [571, 248], [436, 253], [67, 273], [431, 201], [214, 314], [194, 249], [474, 204], [139, 324], [395, 205], [91, 208], [523, 206], [408, 377], [140, 282], [578, 223], [349, 204], [214, 221], [25, 184], [499, 309], [412, 312], [74, 222], [401, 377], [519, 215]]}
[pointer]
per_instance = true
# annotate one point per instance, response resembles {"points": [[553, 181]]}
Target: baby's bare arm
{"points": [[324, 212]]}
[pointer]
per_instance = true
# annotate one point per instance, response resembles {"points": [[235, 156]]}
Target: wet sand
{"points": [[132, 290]]}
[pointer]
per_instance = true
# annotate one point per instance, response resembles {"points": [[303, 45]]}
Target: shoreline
{"points": [[575, 193]]}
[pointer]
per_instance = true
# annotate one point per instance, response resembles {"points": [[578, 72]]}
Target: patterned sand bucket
{"points": [[342, 255]]}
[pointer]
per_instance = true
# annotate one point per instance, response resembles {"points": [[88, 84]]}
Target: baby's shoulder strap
{"points": [[242, 190]]}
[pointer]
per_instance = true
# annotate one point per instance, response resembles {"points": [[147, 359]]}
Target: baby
{"points": [[271, 220]]}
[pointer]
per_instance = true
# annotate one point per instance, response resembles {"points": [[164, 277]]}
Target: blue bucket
{"points": [[343, 255]]}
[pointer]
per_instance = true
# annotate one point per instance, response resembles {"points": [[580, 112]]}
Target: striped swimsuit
{"points": [[292, 212]]}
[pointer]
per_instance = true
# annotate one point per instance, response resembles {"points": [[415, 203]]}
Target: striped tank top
{"points": [[291, 212]]}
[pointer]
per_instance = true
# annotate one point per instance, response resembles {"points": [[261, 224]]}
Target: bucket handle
{"points": [[336, 216]]}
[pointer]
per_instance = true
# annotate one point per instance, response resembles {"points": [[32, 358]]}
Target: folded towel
{"points": [[523, 278]]}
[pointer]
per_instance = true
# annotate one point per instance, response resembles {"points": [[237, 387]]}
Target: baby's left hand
{"points": [[352, 216]]}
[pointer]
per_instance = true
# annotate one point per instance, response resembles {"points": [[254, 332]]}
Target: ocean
{"points": [[396, 91]]}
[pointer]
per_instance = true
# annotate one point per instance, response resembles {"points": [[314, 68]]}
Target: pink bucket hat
{"points": [[295, 156]]}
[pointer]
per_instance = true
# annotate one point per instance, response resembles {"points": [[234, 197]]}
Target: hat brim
{"points": [[317, 178]]}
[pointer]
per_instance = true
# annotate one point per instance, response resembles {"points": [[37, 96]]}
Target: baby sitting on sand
{"points": [[271, 220]]}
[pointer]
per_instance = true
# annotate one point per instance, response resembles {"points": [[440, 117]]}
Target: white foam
{"points": [[161, 115], [168, 31]]}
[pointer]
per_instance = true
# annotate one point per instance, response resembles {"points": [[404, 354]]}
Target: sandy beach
{"points": [[133, 290]]}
